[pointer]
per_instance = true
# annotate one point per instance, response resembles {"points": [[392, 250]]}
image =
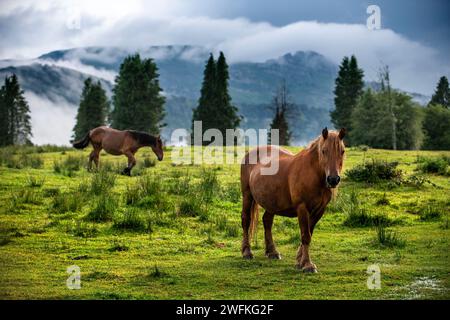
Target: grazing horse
{"points": [[117, 142], [302, 188]]}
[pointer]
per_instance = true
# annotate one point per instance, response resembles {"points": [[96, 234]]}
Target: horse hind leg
{"points": [[271, 251], [247, 202], [94, 156]]}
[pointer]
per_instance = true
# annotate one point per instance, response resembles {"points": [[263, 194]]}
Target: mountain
{"points": [[59, 75]]}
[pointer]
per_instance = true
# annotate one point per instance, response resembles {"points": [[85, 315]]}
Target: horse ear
{"points": [[342, 133], [325, 133]]}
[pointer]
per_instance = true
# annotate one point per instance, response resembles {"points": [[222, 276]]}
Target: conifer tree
{"points": [[215, 109], [93, 109], [15, 126], [137, 99], [349, 86], [442, 94]]}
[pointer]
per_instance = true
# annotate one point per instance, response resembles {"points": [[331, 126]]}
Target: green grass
{"points": [[173, 232]]}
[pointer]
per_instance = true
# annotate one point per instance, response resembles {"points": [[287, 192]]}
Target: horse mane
{"points": [[313, 145], [143, 138]]}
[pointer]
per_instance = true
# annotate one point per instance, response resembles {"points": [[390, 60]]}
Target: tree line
{"points": [[387, 118], [380, 118]]}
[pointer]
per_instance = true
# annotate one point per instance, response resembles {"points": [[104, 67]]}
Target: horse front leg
{"points": [[303, 260], [131, 164]]}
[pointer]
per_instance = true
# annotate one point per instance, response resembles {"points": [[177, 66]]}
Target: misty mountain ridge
{"points": [[309, 76]]}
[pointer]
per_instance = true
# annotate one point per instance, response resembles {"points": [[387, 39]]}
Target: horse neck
{"points": [[308, 160], [143, 139]]}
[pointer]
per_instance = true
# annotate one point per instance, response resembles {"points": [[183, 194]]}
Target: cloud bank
{"points": [[29, 29]]}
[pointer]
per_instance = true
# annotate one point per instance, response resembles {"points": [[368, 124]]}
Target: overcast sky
{"points": [[413, 40]]}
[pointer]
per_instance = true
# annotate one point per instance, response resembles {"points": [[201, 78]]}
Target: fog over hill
{"points": [[53, 84]]}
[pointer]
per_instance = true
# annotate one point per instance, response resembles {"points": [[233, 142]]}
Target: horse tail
{"points": [[83, 143], [254, 217]]}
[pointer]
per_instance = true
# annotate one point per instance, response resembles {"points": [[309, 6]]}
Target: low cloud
{"points": [[52, 122]]}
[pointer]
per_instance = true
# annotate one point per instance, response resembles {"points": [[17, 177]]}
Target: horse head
{"points": [[158, 148], [331, 155]]}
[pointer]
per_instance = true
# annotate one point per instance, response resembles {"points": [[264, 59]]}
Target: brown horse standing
{"points": [[117, 142], [301, 188]]}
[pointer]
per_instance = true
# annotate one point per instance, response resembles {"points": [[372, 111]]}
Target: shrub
{"points": [[433, 165], [104, 209], [389, 238], [374, 171], [130, 220]]}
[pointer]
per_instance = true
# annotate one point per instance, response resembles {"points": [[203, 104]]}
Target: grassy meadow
{"points": [[173, 231]]}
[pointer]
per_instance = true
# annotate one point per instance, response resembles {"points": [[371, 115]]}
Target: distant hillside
{"points": [[310, 78], [52, 82]]}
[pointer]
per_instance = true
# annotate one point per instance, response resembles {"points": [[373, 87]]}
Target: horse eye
{"points": [[343, 151], [323, 151]]}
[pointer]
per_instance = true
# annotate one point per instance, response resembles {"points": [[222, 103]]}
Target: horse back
{"points": [[111, 140]]}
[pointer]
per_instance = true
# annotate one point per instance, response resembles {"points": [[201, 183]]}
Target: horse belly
{"points": [[270, 194], [113, 142]]}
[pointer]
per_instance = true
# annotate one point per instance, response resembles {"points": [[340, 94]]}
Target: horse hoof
{"points": [[248, 256], [309, 270], [273, 255]]}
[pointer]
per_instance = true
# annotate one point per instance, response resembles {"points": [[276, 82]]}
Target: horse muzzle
{"points": [[333, 181]]}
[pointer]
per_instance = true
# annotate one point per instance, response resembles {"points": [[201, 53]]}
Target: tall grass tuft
{"points": [[21, 161], [69, 165], [191, 207], [431, 212], [209, 185], [102, 182], [66, 202], [35, 181], [130, 220], [103, 209], [357, 216], [389, 238]]}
